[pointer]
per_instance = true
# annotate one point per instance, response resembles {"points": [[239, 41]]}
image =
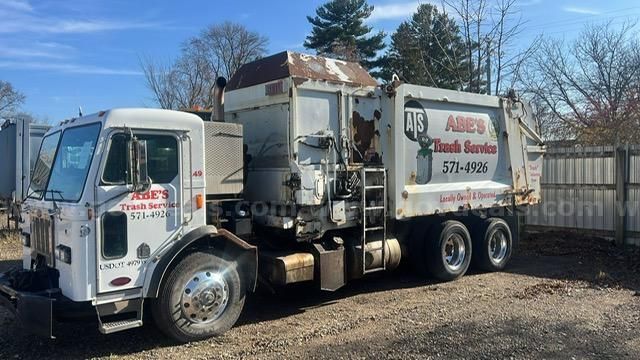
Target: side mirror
{"points": [[139, 171]]}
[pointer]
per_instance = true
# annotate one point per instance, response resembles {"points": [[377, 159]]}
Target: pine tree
{"points": [[339, 31], [427, 50]]}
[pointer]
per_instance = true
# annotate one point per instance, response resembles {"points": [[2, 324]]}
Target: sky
{"points": [[65, 54]]}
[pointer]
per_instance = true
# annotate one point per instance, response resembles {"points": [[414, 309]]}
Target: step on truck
{"points": [[307, 170]]}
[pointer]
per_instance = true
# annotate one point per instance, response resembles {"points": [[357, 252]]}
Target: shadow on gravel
{"points": [[572, 257], [265, 306], [76, 341]]}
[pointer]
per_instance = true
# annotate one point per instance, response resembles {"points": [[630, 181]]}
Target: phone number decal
{"points": [[471, 167], [144, 215]]}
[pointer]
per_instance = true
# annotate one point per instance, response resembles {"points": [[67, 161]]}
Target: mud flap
{"points": [[35, 314]]}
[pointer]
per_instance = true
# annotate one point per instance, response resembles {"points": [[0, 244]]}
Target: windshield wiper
{"points": [[55, 205], [58, 192]]}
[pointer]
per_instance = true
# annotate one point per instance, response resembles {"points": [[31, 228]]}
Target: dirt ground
{"points": [[563, 296]]}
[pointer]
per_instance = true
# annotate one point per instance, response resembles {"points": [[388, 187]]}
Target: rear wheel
{"points": [[202, 297], [449, 250], [493, 245]]}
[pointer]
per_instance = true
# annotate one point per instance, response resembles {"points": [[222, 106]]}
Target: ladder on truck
{"points": [[374, 226]]}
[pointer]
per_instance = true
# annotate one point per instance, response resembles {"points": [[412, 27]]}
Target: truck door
{"points": [[132, 226]]}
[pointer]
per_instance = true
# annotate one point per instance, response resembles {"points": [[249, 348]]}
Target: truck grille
{"points": [[42, 238]]}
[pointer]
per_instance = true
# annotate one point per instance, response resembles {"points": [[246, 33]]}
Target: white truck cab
{"points": [[111, 196]]}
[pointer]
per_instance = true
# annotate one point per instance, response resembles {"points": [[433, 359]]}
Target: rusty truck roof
{"points": [[300, 66]]}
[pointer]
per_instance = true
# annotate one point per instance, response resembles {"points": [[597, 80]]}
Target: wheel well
{"points": [[222, 243]]}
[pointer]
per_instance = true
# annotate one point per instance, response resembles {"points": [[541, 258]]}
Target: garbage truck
{"points": [[306, 171]]}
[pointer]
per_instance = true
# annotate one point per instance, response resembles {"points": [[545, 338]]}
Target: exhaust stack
{"points": [[218, 100]]}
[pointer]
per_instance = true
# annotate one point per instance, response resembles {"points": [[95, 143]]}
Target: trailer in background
{"points": [[19, 140]]}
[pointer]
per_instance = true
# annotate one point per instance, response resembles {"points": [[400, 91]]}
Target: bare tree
{"points": [[230, 46], [10, 99], [219, 50], [592, 85], [490, 29], [160, 80]]}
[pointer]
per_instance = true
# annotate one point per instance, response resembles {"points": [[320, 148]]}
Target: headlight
{"points": [[63, 253]]}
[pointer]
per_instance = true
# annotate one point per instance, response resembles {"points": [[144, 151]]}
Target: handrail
{"points": [[186, 135]]}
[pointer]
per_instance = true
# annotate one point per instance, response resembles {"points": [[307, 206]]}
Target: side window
{"points": [[114, 235], [116, 170], [162, 159]]}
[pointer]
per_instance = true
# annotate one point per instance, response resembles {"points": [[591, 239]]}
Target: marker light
{"points": [[121, 281], [199, 201]]}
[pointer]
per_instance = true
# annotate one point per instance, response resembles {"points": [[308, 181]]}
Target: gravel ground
{"points": [[563, 296]]}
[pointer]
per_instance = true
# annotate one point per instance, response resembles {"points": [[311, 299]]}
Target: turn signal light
{"points": [[199, 201]]}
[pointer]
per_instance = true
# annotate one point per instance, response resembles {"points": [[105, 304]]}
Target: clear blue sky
{"points": [[67, 53]]}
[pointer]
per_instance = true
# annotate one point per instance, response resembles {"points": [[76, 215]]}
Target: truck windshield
{"points": [[63, 178], [72, 162]]}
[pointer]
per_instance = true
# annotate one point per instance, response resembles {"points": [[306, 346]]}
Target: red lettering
{"points": [[440, 147], [485, 148], [460, 123], [451, 123], [466, 124], [151, 195], [471, 125], [481, 126]]}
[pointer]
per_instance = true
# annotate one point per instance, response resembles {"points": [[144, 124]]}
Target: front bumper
{"points": [[34, 310]]}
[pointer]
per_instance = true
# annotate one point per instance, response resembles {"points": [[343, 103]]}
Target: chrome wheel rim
{"points": [[454, 252], [498, 246], [204, 297]]}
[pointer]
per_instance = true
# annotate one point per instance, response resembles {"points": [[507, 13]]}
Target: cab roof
{"points": [[136, 118]]}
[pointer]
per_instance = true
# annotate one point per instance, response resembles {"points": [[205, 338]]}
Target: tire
{"points": [[202, 297], [492, 245], [449, 250]]}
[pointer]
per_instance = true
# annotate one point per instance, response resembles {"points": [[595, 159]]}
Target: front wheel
{"points": [[449, 250], [202, 297]]}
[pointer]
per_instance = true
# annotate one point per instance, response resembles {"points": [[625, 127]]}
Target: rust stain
{"points": [[301, 67], [363, 136]]}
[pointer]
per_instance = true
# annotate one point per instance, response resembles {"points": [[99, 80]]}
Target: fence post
{"points": [[621, 164]]}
